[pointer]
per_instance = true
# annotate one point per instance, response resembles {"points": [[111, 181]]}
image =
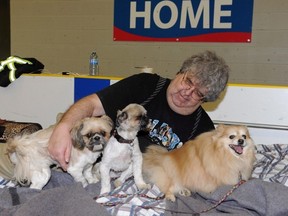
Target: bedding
{"points": [[272, 163], [265, 194], [9, 129]]}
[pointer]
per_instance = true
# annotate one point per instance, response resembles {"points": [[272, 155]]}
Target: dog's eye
{"points": [[139, 117], [231, 136], [123, 115], [103, 133], [89, 135], [244, 136]]}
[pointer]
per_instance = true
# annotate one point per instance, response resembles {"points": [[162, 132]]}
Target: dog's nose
{"points": [[96, 138], [240, 142], [144, 121]]}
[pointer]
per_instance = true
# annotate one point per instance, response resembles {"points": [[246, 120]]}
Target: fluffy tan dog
{"points": [[212, 159], [32, 161]]}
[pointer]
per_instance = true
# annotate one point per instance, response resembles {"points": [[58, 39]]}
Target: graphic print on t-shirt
{"points": [[162, 134]]}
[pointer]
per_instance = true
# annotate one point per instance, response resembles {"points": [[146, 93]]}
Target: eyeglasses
{"points": [[188, 84]]}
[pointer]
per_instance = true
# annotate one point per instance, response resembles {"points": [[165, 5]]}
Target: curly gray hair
{"points": [[210, 71]]}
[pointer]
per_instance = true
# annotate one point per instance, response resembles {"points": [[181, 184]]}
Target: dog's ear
{"points": [[77, 138], [220, 127], [121, 116], [59, 117], [108, 119], [218, 131]]}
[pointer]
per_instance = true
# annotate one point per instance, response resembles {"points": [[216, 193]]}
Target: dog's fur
{"points": [[212, 159], [124, 155], [29, 152]]}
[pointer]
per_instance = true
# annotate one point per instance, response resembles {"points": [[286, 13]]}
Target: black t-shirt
{"points": [[168, 128]]}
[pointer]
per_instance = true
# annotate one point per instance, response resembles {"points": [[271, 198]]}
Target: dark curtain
{"points": [[5, 46]]}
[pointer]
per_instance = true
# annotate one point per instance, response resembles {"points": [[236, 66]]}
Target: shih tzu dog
{"points": [[122, 153], [29, 152]]}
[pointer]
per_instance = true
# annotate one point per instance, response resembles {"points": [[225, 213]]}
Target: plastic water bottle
{"points": [[94, 64]]}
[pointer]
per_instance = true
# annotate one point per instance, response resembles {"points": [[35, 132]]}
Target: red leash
{"points": [[111, 204]]}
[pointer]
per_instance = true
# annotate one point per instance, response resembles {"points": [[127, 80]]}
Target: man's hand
{"points": [[60, 142], [60, 145]]}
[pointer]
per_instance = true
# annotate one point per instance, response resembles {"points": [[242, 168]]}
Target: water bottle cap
{"points": [[145, 69]]}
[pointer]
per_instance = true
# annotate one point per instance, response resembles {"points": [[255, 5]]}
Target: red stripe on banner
{"points": [[120, 35]]}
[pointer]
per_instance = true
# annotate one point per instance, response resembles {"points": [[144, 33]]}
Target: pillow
{"points": [[9, 129]]}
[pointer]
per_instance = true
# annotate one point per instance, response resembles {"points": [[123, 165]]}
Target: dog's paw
{"points": [[104, 191], [117, 183], [170, 197], [96, 171], [92, 180], [84, 183], [36, 186], [185, 192], [143, 186]]}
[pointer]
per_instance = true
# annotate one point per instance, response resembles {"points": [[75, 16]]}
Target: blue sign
{"points": [[183, 20]]}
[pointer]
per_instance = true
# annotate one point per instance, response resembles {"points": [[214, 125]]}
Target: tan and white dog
{"points": [[122, 153], [29, 152], [215, 158]]}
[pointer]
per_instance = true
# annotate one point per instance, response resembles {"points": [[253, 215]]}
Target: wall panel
{"points": [[63, 33]]}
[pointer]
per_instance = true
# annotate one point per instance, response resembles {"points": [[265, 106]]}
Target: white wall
{"points": [[36, 98], [262, 108]]}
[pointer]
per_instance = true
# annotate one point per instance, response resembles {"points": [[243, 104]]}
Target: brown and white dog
{"points": [[29, 152]]}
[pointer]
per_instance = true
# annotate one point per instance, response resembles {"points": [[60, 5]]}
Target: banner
{"points": [[183, 20]]}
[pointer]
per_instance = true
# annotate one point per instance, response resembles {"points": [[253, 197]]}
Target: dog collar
{"points": [[120, 139]]}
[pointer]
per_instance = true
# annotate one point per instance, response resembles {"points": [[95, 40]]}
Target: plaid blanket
{"points": [[6, 183], [272, 163], [127, 200]]}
